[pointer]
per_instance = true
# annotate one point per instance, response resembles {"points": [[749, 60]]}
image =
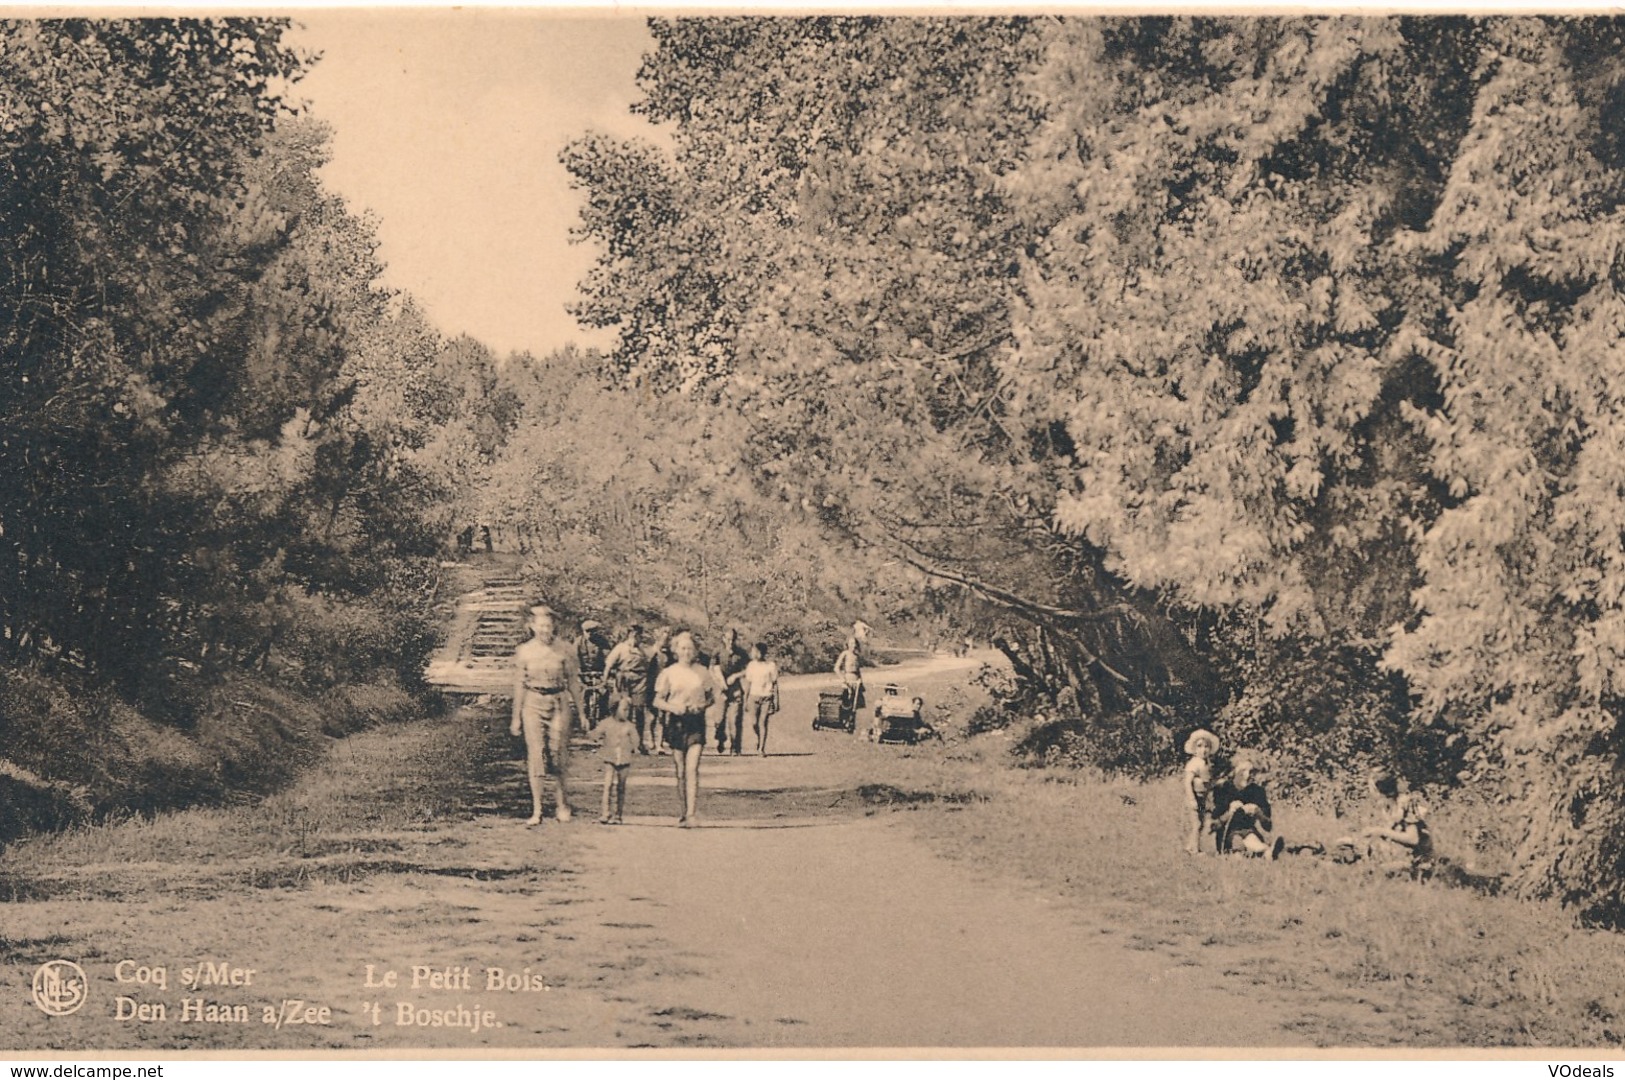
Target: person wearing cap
{"points": [[591, 650], [546, 695], [1242, 806], [1197, 786], [631, 680]]}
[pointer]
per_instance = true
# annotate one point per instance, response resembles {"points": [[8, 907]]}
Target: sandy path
{"points": [[820, 929], [853, 935], [796, 916]]}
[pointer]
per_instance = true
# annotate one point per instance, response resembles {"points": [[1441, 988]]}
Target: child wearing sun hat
{"points": [[1197, 785]]}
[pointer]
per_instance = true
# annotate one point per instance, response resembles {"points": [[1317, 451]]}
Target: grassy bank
{"points": [[72, 753], [357, 811], [79, 744], [1445, 965], [391, 849]]}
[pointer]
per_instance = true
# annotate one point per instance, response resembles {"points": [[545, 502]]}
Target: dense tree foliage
{"points": [[203, 477], [1297, 336], [849, 177], [1259, 372], [630, 504]]}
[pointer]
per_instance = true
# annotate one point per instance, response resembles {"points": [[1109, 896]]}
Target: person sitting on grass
{"points": [[1242, 807], [1400, 843], [1197, 786], [620, 743]]}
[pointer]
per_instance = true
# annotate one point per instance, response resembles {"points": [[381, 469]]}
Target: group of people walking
{"points": [[663, 695], [1227, 800]]}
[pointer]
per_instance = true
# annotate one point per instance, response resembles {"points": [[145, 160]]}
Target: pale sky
{"points": [[447, 127]]}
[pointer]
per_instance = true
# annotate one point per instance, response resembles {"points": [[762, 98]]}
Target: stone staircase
{"points": [[489, 624]]}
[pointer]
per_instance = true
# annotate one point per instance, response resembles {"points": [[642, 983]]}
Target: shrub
{"points": [[348, 709], [1326, 716], [1138, 743], [330, 641], [805, 648]]}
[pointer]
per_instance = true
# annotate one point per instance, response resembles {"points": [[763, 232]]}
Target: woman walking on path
{"points": [[546, 694], [686, 693], [761, 683]]}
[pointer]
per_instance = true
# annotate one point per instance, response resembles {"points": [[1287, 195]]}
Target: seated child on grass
{"points": [[1401, 842]]}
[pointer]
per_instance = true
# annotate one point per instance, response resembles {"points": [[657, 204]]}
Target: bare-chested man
{"points": [[546, 695]]}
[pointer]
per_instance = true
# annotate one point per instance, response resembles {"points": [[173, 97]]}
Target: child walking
{"points": [[620, 744]]}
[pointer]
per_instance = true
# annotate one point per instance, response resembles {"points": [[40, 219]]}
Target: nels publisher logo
{"points": [[59, 987]]}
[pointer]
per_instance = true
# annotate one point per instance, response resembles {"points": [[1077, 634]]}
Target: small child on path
{"points": [[1198, 785], [619, 746]]}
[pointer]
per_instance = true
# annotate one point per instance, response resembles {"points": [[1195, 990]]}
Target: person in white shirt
{"points": [[686, 692], [761, 681]]}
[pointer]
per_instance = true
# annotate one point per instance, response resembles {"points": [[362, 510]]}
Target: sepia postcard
{"points": [[535, 532]]}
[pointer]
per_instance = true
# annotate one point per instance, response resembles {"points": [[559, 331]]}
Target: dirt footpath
{"points": [[810, 922], [797, 915], [852, 935]]}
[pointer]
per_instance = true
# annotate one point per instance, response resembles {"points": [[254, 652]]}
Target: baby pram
{"points": [[836, 709]]}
